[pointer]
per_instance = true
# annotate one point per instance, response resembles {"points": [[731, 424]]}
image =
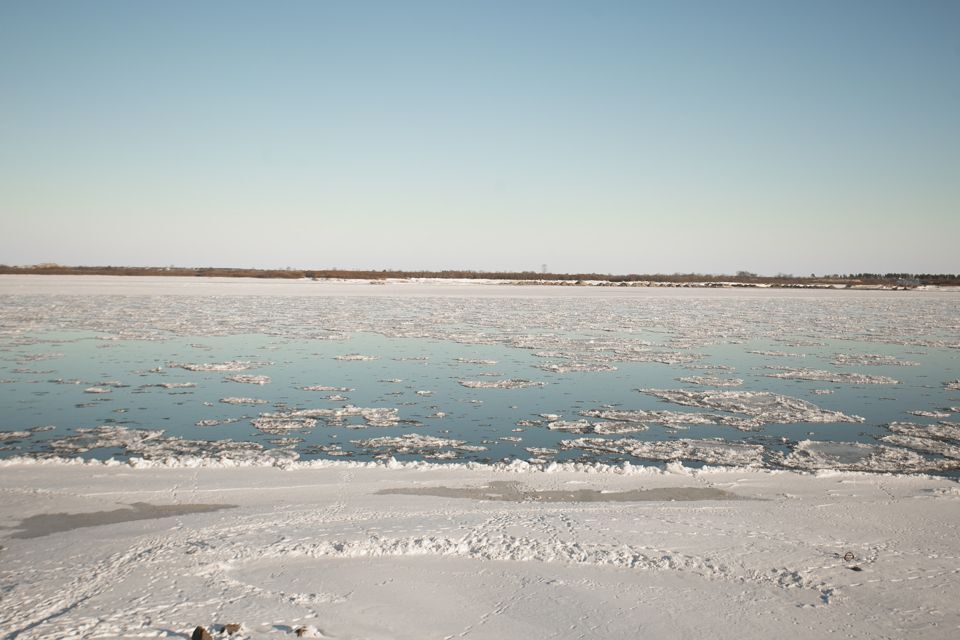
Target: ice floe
{"points": [[758, 407], [716, 452], [788, 373], [871, 359], [335, 417], [232, 365], [500, 384], [811, 455], [575, 367], [242, 400], [152, 444], [430, 447], [605, 428], [712, 381], [922, 413], [249, 379], [356, 357]]}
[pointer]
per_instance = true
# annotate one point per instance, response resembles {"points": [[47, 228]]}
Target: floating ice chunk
{"points": [[778, 354], [788, 373], [150, 444], [929, 414], [474, 361], [573, 426], [511, 438], [712, 381], [438, 414], [541, 451], [953, 385], [822, 392], [854, 456], [42, 429], [575, 367], [207, 423], [550, 416], [231, 365], [6, 436], [280, 424], [320, 387], [926, 445], [374, 417], [870, 359], [234, 400], [616, 428], [97, 390], [716, 452], [500, 384], [585, 426], [415, 443], [760, 407], [173, 385], [424, 393], [670, 419], [36, 357], [247, 379], [356, 357], [941, 430]]}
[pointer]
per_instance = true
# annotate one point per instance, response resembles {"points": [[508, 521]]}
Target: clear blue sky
{"points": [[603, 136]]}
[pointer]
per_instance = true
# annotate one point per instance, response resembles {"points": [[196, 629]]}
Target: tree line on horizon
{"points": [[744, 277]]}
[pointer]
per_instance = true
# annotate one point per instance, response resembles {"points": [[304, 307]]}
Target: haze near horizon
{"points": [[610, 137]]}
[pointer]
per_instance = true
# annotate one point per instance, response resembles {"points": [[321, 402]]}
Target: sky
{"points": [[597, 136]]}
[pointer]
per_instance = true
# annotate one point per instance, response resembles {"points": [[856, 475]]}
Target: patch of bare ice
{"points": [[356, 357], [953, 385]]}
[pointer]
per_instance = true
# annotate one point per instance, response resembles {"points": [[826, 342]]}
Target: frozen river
{"points": [[269, 372]]}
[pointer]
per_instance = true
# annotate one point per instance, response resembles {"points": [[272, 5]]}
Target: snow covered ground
{"points": [[354, 550]]}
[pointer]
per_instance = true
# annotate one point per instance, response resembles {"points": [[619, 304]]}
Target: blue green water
{"points": [[31, 396]]}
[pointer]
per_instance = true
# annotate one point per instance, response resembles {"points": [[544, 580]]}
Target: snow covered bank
{"points": [[353, 550]]}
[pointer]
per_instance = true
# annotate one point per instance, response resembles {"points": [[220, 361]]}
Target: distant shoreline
{"points": [[889, 281]]}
